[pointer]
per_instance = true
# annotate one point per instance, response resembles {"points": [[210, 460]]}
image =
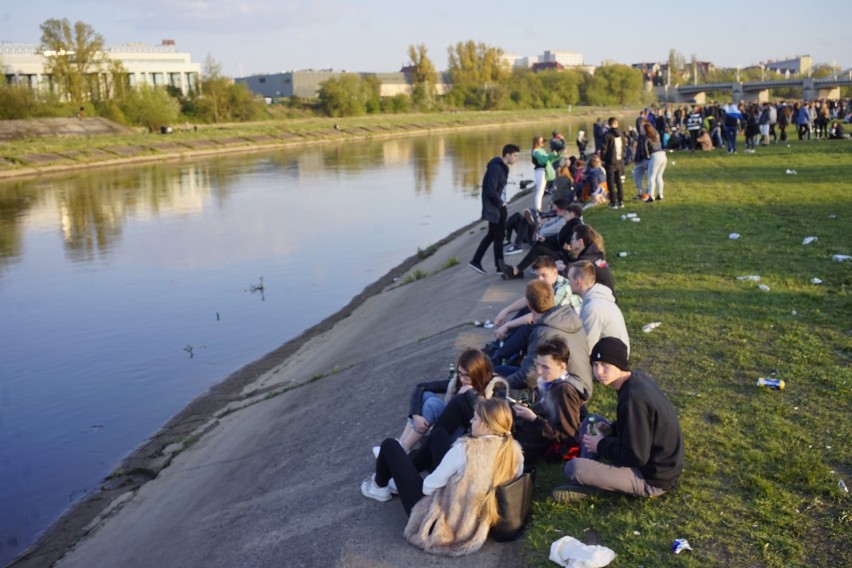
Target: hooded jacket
{"points": [[562, 322], [493, 185], [601, 316], [614, 145]]}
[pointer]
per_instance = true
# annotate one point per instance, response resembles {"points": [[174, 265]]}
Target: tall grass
{"points": [[760, 485]]}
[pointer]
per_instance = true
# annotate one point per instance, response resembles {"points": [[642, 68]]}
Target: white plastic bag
{"points": [[571, 553]]}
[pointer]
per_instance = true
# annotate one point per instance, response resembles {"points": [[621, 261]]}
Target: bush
{"points": [[17, 101], [151, 107]]}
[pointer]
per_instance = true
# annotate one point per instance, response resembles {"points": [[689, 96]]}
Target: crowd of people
{"points": [[526, 395]]}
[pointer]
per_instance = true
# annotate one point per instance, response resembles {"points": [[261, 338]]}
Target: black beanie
{"points": [[611, 350]]}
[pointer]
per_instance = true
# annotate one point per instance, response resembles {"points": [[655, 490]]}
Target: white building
{"points": [[564, 58], [159, 65]]}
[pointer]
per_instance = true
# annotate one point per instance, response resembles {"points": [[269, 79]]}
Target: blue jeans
{"points": [[655, 173], [431, 407], [731, 135]]}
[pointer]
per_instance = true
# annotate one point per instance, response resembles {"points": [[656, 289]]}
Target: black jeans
{"points": [[548, 247], [495, 234], [614, 183], [394, 463]]}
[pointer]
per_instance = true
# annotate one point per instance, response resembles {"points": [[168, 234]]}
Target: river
{"points": [[125, 293]]}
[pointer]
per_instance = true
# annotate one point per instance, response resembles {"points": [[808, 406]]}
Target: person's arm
{"points": [[453, 462], [630, 445], [503, 314]]}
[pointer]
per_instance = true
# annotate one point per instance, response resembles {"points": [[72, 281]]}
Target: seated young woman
{"points": [[429, 399], [452, 510]]}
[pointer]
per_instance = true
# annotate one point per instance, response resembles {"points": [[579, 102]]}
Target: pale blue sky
{"points": [[258, 36]]}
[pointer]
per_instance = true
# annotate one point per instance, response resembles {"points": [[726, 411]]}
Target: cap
{"points": [[611, 350]]}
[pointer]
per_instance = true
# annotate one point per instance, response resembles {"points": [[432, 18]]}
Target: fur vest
{"points": [[451, 522]]}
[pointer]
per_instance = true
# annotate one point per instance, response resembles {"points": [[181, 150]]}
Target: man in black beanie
{"points": [[644, 446]]}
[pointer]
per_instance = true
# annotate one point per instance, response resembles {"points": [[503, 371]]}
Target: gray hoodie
{"points": [[601, 316], [563, 322]]}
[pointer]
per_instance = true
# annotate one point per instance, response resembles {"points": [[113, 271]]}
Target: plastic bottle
{"points": [[776, 384], [451, 372], [591, 427]]}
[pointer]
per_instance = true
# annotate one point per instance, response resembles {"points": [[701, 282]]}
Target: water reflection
{"points": [[109, 275]]}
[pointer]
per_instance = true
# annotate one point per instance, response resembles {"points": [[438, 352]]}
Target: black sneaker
{"points": [[659, 198], [477, 267], [572, 492], [649, 200], [613, 206], [512, 249]]}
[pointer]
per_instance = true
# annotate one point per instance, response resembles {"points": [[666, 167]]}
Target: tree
{"points": [[423, 74], [151, 107], [213, 101], [72, 54], [342, 96], [478, 74]]}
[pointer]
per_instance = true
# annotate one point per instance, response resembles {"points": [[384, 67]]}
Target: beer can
{"points": [[776, 384]]}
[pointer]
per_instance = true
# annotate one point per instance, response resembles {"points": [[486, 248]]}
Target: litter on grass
{"points": [[816, 281], [840, 257], [571, 553], [649, 327], [635, 219], [627, 216], [679, 545], [791, 172], [842, 485], [763, 287], [734, 236], [751, 277], [809, 240]]}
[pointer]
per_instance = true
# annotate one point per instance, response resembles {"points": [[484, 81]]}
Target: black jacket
{"points": [[493, 184]]}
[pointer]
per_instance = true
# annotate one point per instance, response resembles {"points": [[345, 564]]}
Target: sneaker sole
{"points": [[477, 269], [511, 252]]}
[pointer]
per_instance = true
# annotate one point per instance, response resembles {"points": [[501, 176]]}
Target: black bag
{"points": [[514, 502]]}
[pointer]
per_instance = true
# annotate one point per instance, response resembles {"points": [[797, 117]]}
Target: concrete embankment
{"points": [[270, 462]]}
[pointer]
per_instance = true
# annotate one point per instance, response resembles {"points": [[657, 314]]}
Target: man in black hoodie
{"points": [[643, 447], [612, 154], [494, 207]]}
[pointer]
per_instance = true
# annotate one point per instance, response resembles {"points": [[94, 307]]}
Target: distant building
{"points": [[799, 65], [160, 65], [307, 83], [563, 58]]}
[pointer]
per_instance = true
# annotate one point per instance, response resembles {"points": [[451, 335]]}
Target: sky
{"points": [[268, 36]]}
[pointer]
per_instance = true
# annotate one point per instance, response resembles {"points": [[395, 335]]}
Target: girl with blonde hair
{"points": [[452, 510]]}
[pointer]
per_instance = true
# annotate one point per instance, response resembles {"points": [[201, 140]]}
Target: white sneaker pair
{"points": [[373, 491]]}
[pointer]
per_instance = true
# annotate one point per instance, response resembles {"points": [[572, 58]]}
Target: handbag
{"points": [[514, 503]]}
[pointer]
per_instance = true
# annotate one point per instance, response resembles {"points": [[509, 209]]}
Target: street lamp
{"points": [[738, 73]]}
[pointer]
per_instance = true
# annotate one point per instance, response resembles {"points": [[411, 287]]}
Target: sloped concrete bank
{"points": [[264, 469]]}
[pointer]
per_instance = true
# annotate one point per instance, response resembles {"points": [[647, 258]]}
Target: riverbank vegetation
{"points": [[760, 485]]}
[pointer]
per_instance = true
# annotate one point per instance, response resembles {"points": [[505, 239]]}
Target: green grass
{"points": [[760, 485]]}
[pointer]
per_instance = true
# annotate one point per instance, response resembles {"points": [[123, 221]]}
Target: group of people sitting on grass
{"points": [[526, 396]]}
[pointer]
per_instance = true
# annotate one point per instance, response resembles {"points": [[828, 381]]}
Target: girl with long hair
{"points": [[452, 510], [657, 165]]}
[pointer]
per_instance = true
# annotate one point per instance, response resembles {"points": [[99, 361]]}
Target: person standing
{"points": [[657, 164], [693, 125], [494, 207], [540, 161], [612, 154], [644, 446], [733, 118]]}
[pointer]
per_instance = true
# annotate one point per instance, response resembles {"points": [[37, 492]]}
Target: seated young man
{"points": [[643, 447], [512, 334], [551, 425], [550, 320], [554, 245], [600, 314]]}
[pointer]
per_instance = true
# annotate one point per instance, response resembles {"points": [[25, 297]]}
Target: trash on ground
{"points": [[794, 312], [809, 240], [791, 172], [840, 257], [816, 281], [624, 253], [763, 287], [752, 277], [734, 236], [842, 485], [648, 327], [673, 162], [832, 216], [571, 553], [679, 545], [776, 384], [635, 219], [627, 216], [488, 324]]}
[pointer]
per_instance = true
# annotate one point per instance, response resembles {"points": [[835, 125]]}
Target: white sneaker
{"points": [[370, 490]]}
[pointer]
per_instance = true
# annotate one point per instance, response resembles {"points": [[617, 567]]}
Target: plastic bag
{"points": [[571, 553]]}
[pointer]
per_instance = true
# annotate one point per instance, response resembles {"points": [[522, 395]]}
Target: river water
{"points": [[125, 293]]}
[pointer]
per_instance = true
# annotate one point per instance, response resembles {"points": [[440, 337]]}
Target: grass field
{"points": [[760, 485]]}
